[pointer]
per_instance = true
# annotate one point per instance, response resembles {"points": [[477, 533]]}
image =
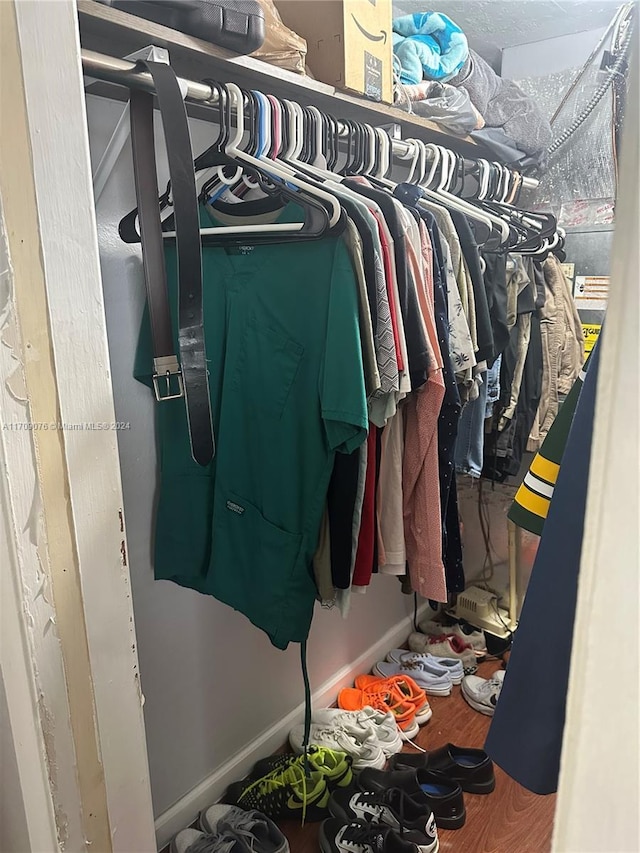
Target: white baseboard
{"points": [[185, 811]]}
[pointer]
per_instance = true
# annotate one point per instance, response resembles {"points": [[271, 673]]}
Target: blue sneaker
{"points": [[432, 680], [454, 667]]}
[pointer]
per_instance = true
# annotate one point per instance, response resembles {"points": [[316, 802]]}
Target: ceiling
{"points": [[492, 25]]}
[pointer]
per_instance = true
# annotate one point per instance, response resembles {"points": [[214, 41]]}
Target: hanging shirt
{"points": [[392, 557], [287, 391], [355, 246], [414, 330], [377, 287], [472, 258], [421, 484], [461, 347]]}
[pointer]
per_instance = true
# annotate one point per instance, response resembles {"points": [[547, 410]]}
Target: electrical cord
{"points": [[613, 25], [597, 96], [485, 527]]}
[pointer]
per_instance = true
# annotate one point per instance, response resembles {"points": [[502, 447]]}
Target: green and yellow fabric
{"points": [[531, 503]]}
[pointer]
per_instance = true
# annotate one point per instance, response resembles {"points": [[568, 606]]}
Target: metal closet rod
{"points": [[124, 73]]}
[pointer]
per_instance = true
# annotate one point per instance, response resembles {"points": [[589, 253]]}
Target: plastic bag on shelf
{"points": [[282, 46], [444, 104]]}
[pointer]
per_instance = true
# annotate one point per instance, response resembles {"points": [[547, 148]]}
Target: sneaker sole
{"points": [[394, 748], [326, 844], [423, 717], [477, 706], [377, 763], [451, 822], [411, 731], [438, 691]]}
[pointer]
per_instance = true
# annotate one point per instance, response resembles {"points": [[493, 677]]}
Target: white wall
{"points": [[539, 58], [211, 681], [14, 834], [602, 730]]}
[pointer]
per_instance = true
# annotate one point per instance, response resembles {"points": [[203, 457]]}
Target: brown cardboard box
{"points": [[349, 42]]}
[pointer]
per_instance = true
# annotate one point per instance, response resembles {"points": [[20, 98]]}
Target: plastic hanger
{"points": [[272, 181], [440, 158]]}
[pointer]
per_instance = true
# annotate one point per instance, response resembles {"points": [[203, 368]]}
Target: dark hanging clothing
{"points": [[495, 282], [485, 351], [525, 737]]}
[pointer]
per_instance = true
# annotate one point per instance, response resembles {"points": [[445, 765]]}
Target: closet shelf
{"points": [[117, 33]]}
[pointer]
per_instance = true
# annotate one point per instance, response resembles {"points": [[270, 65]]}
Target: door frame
{"points": [[70, 666], [68, 570]]}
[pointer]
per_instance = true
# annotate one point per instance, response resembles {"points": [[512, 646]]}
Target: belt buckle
{"points": [[167, 367]]}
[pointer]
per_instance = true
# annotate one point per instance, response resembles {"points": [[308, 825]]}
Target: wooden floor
{"points": [[510, 820]]}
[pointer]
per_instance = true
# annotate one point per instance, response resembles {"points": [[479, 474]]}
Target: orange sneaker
{"points": [[405, 688], [404, 712]]}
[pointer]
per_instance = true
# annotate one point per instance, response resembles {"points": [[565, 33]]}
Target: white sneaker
{"points": [[382, 726], [449, 666], [365, 753], [483, 693], [475, 639]]}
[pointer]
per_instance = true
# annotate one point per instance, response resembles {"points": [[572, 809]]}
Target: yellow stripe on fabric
{"points": [[534, 503], [545, 469]]}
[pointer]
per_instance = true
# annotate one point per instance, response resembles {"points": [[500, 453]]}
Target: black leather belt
{"points": [[188, 377]]}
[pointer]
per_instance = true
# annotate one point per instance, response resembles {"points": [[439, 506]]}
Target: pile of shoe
{"points": [[366, 734], [399, 811], [227, 829], [398, 695], [290, 786], [483, 693], [455, 641]]}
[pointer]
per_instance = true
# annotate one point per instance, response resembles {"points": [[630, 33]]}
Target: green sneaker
{"points": [[286, 793], [335, 766]]}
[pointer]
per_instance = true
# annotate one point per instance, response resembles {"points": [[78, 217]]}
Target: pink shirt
{"points": [[421, 483]]}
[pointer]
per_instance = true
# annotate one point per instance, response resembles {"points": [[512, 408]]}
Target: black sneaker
{"points": [[472, 769], [287, 793], [338, 837], [442, 795], [392, 807]]}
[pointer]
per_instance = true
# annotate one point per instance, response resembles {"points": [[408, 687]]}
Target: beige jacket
{"points": [[562, 348]]}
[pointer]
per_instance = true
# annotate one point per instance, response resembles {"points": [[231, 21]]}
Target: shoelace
{"points": [[291, 776], [243, 824], [417, 664], [356, 721], [363, 836], [243, 835], [219, 843], [429, 663], [343, 736], [391, 700], [394, 798], [492, 685]]}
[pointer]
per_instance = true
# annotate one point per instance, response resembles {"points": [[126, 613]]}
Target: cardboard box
{"points": [[349, 42]]}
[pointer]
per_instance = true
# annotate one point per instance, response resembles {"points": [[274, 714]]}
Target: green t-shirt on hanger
{"points": [[287, 391]]}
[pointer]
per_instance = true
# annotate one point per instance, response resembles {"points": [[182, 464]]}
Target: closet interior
{"points": [[340, 330]]}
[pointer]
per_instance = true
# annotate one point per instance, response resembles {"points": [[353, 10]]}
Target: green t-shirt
{"points": [[287, 391]]}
